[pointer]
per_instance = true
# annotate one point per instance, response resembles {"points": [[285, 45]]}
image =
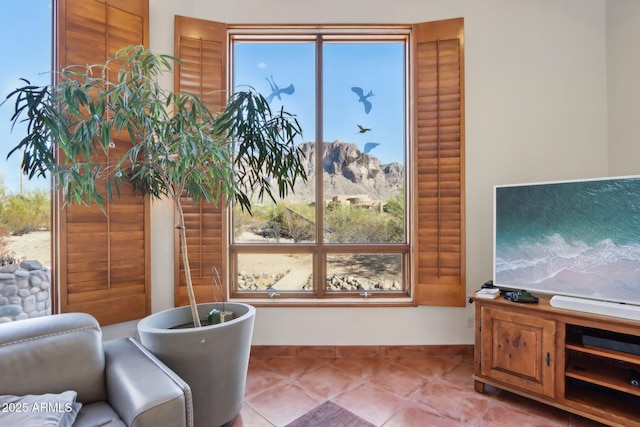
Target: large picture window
{"points": [[344, 232], [381, 219]]}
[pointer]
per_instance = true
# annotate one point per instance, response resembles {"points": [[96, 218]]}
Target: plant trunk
{"points": [[182, 231]]}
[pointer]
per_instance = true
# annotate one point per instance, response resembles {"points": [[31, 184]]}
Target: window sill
{"points": [[327, 303]]}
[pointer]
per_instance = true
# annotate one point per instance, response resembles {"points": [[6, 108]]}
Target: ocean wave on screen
{"points": [[533, 262]]}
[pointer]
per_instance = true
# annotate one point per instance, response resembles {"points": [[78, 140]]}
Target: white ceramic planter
{"points": [[213, 360]]}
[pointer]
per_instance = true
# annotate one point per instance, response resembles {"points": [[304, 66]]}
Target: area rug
{"points": [[330, 414]]}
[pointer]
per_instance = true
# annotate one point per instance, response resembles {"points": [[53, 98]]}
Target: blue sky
{"points": [[376, 67], [27, 24]]}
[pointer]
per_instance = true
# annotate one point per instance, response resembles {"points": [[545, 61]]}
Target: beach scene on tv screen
{"points": [[578, 238]]}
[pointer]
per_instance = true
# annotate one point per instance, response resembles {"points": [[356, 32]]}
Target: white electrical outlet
{"points": [[470, 322]]}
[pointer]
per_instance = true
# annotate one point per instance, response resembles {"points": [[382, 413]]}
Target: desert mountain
{"points": [[348, 171]]}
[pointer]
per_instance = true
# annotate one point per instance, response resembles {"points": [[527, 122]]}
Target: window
{"points": [[25, 204], [343, 232], [316, 230]]}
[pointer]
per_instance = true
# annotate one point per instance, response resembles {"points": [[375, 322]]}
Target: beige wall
{"points": [[536, 109], [623, 80]]}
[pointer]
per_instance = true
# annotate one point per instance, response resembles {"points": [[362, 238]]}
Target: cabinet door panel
{"points": [[518, 350]]}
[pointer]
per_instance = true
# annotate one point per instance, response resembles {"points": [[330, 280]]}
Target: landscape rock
{"points": [[35, 281], [31, 265], [10, 310], [10, 291], [29, 304], [11, 268], [24, 293]]}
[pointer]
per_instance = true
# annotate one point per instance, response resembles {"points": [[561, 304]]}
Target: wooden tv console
{"points": [[539, 352]]}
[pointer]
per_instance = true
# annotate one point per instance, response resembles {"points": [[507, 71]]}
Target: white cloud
{"points": [[262, 65]]}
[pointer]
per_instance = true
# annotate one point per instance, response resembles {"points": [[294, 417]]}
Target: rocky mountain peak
{"points": [[347, 170]]}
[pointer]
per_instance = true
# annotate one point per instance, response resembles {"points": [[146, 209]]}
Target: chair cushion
{"points": [[41, 410], [53, 354], [98, 414]]}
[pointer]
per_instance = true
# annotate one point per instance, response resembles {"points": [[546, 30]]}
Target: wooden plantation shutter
{"points": [[201, 47], [102, 257], [439, 226]]}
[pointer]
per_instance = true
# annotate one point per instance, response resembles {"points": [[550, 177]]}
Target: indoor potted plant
{"points": [[175, 146]]}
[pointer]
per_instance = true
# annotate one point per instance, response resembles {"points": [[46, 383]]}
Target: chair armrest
{"points": [[142, 389]]}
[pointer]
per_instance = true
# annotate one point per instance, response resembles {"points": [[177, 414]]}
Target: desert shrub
{"points": [[291, 221], [243, 221], [4, 241], [9, 258], [343, 223], [352, 224], [395, 205], [6, 256], [23, 213], [3, 187], [275, 222]]}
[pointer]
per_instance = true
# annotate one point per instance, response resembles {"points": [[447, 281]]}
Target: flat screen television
{"points": [[571, 238]]}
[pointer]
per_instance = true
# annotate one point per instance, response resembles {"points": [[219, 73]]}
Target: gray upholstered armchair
{"points": [[118, 382]]}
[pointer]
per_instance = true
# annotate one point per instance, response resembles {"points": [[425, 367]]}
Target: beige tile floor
{"points": [[390, 392]]}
